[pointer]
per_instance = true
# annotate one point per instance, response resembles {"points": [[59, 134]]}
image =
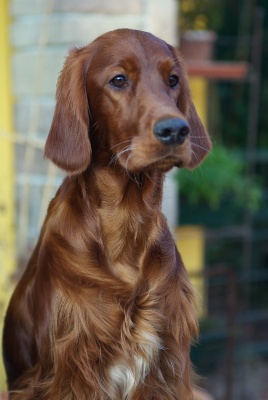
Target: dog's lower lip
{"points": [[167, 161]]}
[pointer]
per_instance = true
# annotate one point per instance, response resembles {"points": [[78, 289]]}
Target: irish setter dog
{"points": [[105, 309]]}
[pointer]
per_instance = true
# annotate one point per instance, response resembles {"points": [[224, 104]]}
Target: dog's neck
{"points": [[129, 214], [117, 211]]}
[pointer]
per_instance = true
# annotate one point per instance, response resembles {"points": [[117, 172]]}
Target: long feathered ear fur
{"points": [[68, 144], [200, 140]]}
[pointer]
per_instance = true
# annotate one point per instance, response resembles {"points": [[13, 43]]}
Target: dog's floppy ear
{"points": [[68, 144], [200, 140]]}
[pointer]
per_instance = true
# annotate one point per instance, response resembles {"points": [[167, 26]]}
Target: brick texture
{"points": [[31, 7]]}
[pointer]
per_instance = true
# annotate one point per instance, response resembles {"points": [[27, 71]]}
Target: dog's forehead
{"points": [[126, 43]]}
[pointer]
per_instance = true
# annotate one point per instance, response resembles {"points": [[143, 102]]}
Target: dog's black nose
{"points": [[171, 131]]}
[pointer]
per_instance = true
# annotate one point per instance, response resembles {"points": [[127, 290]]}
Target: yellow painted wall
{"points": [[198, 86], [190, 240], [7, 228]]}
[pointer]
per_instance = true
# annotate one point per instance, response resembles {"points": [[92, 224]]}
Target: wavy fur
{"points": [[105, 309]]}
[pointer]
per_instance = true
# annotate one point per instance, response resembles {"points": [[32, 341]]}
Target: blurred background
{"points": [[219, 212]]}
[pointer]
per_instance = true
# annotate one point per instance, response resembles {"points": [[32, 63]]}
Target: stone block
{"points": [[33, 7], [34, 115], [104, 6], [71, 29], [35, 71], [28, 7], [161, 20], [27, 163]]}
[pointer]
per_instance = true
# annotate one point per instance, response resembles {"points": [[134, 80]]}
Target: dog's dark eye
{"points": [[119, 81], [173, 81]]}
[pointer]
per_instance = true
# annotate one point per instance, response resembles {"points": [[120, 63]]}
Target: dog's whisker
{"points": [[132, 177], [119, 144], [94, 127], [115, 157], [201, 147], [193, 153], [196, 158], [148, 176], [126, 149]]}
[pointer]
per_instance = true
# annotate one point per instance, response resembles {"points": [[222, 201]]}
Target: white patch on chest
{"points": [[128, 376]]}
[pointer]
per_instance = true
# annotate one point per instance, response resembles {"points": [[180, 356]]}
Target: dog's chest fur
{"points": [[128, 374], [140, 343]]}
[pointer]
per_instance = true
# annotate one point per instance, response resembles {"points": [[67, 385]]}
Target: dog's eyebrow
{"points": [[168, 64], [128, 62]]}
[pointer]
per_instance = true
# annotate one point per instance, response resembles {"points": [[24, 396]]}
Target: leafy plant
{"points": [[222, 174], [200, 14]]}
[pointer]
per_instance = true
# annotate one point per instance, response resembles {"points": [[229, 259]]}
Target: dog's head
{"points": [[125, 99]]}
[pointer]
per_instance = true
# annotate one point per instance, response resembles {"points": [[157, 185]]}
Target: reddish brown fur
{"points": [[105, 309]]}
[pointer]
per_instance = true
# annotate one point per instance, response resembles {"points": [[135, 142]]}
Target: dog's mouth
{"points": [[143, 155], [163, 164], [166, 163]]}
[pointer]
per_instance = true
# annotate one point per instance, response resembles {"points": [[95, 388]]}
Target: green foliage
{"points": [[222, 174], [200, 14]]}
